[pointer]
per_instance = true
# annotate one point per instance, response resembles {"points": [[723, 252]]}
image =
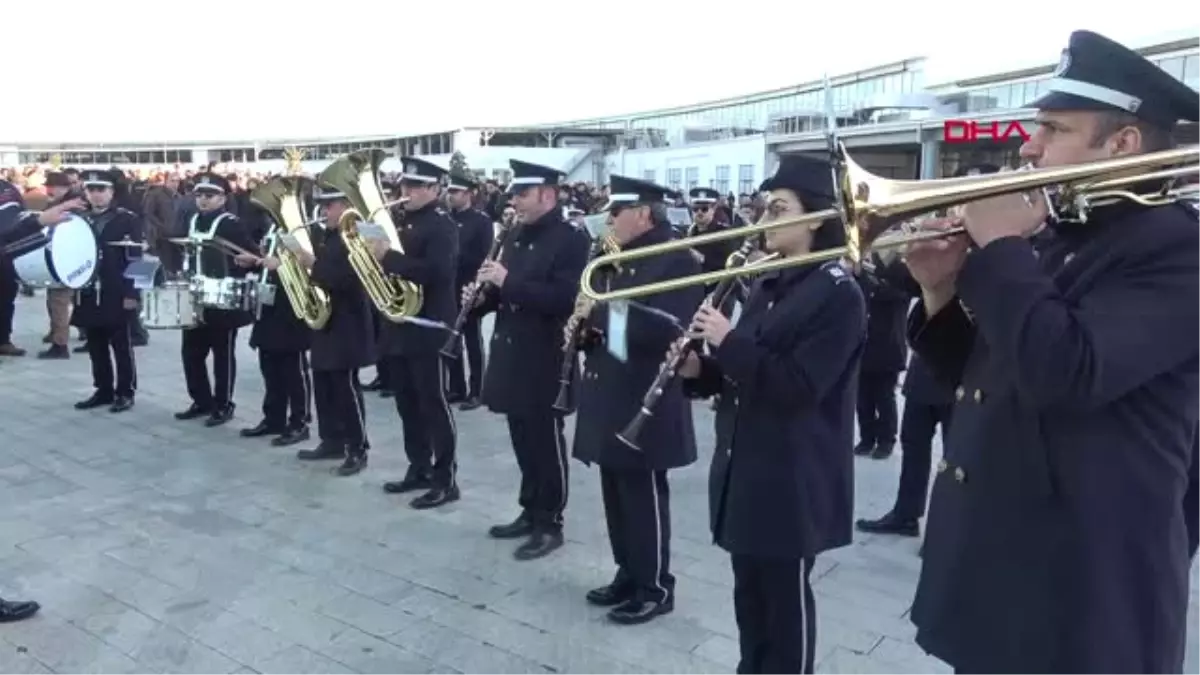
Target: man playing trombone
{"points": [[1055, 540]]}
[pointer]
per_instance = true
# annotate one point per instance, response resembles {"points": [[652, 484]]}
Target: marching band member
{"points": [[415, 368], [475, 237], [617, 371], [781, 487], [1055, 541], [106, 309], [218, 328], [713, 255], [345, 344], [532, 289], [282, 340]]}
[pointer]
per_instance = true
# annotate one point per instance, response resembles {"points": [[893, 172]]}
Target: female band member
{"points": [[781, 487]]}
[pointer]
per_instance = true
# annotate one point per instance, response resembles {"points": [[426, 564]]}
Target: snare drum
{"points": [[228, 294], [169, 306], [64, 255]]}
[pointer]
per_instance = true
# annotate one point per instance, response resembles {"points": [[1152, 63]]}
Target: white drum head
{"points": [[73, 252]]}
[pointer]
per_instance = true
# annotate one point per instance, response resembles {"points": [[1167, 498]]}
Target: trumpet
{"points": [[453, 346], [869, 205], [670, 367], [602, 246]]}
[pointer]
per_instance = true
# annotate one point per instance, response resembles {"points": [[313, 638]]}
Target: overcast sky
{"points": [[154, 70]]}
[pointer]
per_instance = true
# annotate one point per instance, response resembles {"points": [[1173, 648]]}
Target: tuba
{"points": [[356, 175], [282, 197]]}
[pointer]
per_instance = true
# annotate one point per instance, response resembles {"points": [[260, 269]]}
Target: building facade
{"points": [[893, 121]]}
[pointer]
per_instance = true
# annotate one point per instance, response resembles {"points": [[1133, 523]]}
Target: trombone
{"points": [[869, 205]]}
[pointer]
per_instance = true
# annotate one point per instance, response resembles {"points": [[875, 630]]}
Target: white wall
{"points": [[703, 158]]}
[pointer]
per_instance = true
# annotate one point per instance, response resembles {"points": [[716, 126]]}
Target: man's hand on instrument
{"points": [[1013, 215], [245, 260], [379, 247], [467, 290], [690, 367], [270, 262], [305, 258], [492, 272], [711, 325], [58, 213]]}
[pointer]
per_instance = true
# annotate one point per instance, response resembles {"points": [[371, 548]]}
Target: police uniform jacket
{"points": [[544, 259], [1055, 540], [347, 341], [430, 241], [475, 236], [216, 264], [277, 328], [782, 478], [715, 253], [100, 304], [887, 306], [610, 391]]}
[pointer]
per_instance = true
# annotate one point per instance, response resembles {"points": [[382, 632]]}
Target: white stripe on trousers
{"points": [[658, 542], [358, 409], [560, 454], [803, 618], [229, 367], [132, 363], [306, 383], [442, 366]]}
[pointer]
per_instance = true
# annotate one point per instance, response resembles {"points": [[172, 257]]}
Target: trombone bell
{"points": [[869, 205]]}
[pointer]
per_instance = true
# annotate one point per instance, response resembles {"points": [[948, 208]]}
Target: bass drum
{"points": [[65, 255]]}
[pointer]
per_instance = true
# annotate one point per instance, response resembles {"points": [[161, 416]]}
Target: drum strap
{"points": [[204, 235]]}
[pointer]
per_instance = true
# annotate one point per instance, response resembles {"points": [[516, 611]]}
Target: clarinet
{"points": [[669, 367], [453, 347], [570, 349]]}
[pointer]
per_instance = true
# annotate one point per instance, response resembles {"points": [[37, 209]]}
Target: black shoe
{"points": [[96, 400], [219, 416], [635, 611], [81, 349], [140, 340], [882, 451], [374, 385], [355, 462], [55, 352], [436, 497], [195, 411], [470, 404], [386, 393], [324, 450], [17, 610], [864, 448], [611, 595], [412, 482], [260, 430], [521, 527], [541, 543], [452, 399], [121, 404], [890, 524], [290, 437]]}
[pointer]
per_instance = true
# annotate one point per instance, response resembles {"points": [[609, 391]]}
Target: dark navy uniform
{"points": [[415, 368], [345, 344], [714, 254], [1055, 541], [100, 307], [218, 328], [282, 340], [883, 358], [781, 486], [633, 482], [475, 236], [544, 259]]}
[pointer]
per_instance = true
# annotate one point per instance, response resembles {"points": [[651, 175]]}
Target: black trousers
{"points": [[877, 408], [287, 383], [418, 382], [460, 383], [637, 509], [198, 342], [541, 450], [8, 299], [916, 446], [776, 614], [341, 416], [106, 345]]}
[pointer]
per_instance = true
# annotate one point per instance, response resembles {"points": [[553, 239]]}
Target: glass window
{"points": [[1191, 71], [693, 177], [185, 156], [722, 182], [650, 175], [674, 178], [746, 179], [1173, 65]]}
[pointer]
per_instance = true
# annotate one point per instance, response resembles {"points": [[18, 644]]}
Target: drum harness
{"points": [[98, 224]]}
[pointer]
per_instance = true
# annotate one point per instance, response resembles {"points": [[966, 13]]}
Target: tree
{"points": [[458, 164]]}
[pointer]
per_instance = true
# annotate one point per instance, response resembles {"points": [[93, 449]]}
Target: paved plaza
{"points": [[162, 546]]}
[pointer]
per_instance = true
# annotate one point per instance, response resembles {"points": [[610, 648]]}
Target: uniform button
{"points": [[978, 396], [960, 475], [942, 466], [959, 393]]}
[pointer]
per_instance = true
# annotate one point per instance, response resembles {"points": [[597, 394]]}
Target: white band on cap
{"points": [[625, 197], [102, 183], [1095, 92], [416, 177], [703, 200], [331, 195], [528, 180], [457, 186]]}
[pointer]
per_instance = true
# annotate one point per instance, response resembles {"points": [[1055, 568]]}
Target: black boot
{"points": [[324, 450], [470, 404], [260, 430], [356, 460], [864, 448], [890, 523], [96, 400], [219, 416], [521, 527], [17, 610], [543, 542], [635, 610], [120, 404], [55, 352], [436, 497], [414, 480], [611, 595], [291, 436], [194, 411], [883, 451]]}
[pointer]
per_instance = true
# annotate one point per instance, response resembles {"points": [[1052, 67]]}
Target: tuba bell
{"points": [[283, 198], [356, 175]]}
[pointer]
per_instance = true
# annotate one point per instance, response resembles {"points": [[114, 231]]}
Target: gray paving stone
{"points": [[159, 546]]}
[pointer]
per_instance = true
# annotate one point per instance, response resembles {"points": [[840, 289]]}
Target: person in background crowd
{"points": [[9, 286], [161, 210], [58, 300]]}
